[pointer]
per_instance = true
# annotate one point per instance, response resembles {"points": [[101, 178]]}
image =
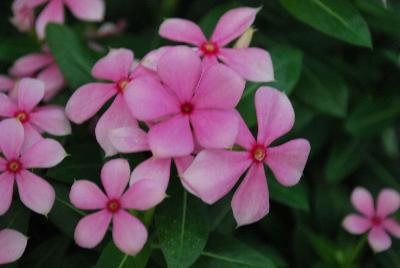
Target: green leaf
{"points": [[323, 89], [72, 55], [227, 252], [344, 159], [294, 197], [337, 18], [182, 228], [17, 217], [12, 48]]}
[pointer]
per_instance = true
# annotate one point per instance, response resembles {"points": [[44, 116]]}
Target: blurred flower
{"points": [[375, 220], [23, 15], [35, 119], [253, 64], [182, 100], [36, 193], [12, 245], [43, 67], [129, 234], [214, 173], [6, 83], [88, 99], [107, 29]]}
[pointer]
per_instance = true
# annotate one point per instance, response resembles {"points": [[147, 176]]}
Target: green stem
{"points": [[358, 249]]}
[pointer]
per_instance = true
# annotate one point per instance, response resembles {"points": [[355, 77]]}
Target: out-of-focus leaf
{"points": [[390, 142], [322, 88], [227, 252], [13, 47], [182, 227], [337, 18], [72, 55], [17, 217], [381, 172]]}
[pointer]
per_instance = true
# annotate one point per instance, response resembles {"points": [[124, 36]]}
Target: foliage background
{"points": [[338, 60]]}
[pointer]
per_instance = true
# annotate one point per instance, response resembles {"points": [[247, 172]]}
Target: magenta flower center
{"points": [[187, 108], [121, 85], [258, 153], [376, 221], [113, 205], [209, 49], [14, 166], [22, 116]]}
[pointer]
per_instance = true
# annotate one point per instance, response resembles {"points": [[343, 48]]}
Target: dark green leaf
{"points": [[295, 196], [17, 217]]}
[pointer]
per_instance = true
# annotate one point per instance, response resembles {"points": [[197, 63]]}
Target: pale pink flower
{"points": [[36, 193], [12, 245], [87, 10], [186, 99], [129, 234], [214, 173], [23, 15], [35, 119], [6, 83], [377, 221], [253, 64], [88, 99], [43, 67]]}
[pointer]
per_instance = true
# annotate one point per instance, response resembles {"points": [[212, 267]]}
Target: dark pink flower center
{"points": [[14, 166], [209, 48], [258, 153], [187, 108], [121, 85], [113, 205], [22, 116], [376, 220]]}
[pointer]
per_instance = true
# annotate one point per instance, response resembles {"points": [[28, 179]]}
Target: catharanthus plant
{"points": [[12, 245], [129, 234], [376, 219]]}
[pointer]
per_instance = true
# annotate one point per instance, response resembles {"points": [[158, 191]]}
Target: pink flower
{"points": [[375, 220], [12, 245], [183, 100], [214, 173], [43, 67], [23, 15], [251, 63], [129, 234], [29, 93], [36, 193], [6, 83], [88, 99], [88, 10]]}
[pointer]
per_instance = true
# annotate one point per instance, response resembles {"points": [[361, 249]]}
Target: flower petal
{"points": [[219, 88], [244, 138], [392, 226], [275, 114], [250, 202], [114, 66], [115, 176], [148, 100], [233, 24], [180, 68], [3, 164], [182, 30], [12, 244], [129, 234], [379, 240], [46, 153], [130, 139], [142, 195], [32, 136], [88, 10], [87, 195], [52, 13], [11, 138], [287, 161], [51, 119], [155, 169], [53, 80], [388, 202], [30, 64], [356, 224], [7, 107], [254, 64], [6, 83], [171, 138], [182, 163], [6, 191], [362, 201], [91, 229], [117, 116], [36, 193], [213, 173], [87, 101], [29, 93], [215, 129], [150, 60]]}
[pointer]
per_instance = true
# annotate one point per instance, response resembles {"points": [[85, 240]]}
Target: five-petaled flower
{"points": [[375, 220], [253, 64], [129, 234], [214, 173], [36, 193], [12, 245]]}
